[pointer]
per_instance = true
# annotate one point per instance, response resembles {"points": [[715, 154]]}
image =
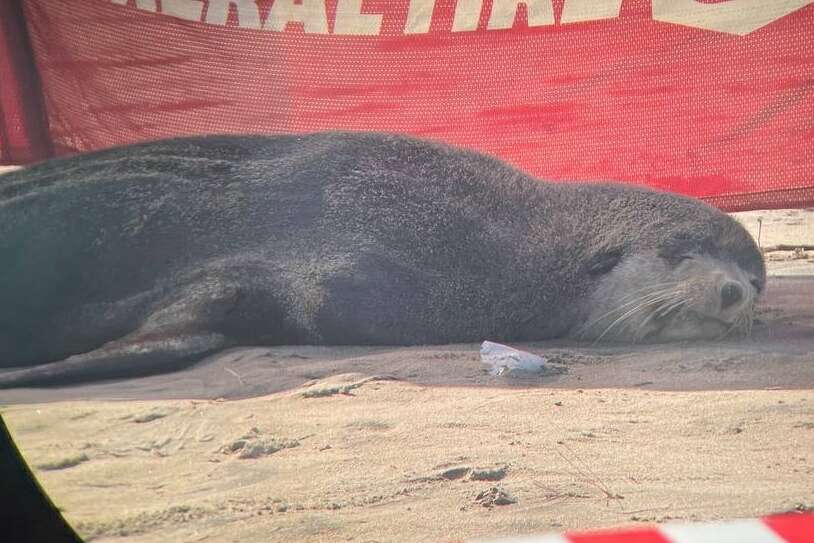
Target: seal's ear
{"points": [[603, 262]]}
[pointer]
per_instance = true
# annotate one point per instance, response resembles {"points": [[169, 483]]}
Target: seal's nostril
{"points": [[731, 293]]}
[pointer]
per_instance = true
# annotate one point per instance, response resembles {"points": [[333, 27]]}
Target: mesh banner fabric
{"points": [[23, 137], [713, 99]]}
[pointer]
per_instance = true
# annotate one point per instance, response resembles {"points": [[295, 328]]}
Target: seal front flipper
{"points": [[179, 330], [132, 355]]}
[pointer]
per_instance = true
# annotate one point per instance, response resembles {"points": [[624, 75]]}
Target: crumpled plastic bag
{"points": [[502, 359]]}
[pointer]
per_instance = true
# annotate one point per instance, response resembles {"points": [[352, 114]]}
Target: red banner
{"points": [[23, 137], [713, 99]]}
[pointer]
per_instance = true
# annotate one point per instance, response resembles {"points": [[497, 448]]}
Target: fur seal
{"points": [[146, 258]]}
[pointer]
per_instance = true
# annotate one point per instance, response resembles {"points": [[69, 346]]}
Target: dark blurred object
{"points": [[26, 512]]}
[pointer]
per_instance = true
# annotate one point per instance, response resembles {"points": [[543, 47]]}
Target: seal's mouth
{"points": [[696, 317], [680, 324]]}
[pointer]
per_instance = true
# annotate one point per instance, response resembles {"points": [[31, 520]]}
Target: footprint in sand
{"points": [[254, 445]]}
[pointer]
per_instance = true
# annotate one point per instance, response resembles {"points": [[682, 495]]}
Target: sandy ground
{"points": [[378, 444], [354, 458]]}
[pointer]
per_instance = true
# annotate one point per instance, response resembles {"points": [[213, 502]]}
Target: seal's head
{"points": [[688, 271]]}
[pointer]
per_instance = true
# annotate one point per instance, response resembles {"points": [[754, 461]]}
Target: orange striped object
{"points": [[786, 528]]}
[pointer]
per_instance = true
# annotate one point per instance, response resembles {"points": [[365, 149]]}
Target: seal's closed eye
{"points": [[604, 262], [680, 246]]}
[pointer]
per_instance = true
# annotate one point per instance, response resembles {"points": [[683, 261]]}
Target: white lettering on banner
{"points": [[218, 12], [738, 17], [419, 16], [144, 5], [189, 10], [578, 11], [351, 21], [311, 13], [539, 13], [733, 16], [467, 15]]}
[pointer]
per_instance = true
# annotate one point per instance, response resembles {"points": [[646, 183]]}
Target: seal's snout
{"points": [[649, 298], [731, 294]]}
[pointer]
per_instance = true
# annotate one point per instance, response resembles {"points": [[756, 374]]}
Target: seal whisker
{"points": [[671, 306], [642, 300], [656, 287], [750, 320], [638, 302], [630, 313], [630, 302], [745, 321], [666, 308]]}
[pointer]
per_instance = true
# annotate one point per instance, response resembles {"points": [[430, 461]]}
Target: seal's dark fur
{"points": [[145, 258]]}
